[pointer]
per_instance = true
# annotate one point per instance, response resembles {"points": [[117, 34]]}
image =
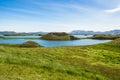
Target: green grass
{"points": [[1, 37], [96, 62], [106, 36], [29, 44]]}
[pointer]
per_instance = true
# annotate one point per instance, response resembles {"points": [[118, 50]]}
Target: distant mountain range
{"points": [[93, 32], [12, 32], [77, 32], [7, 32]]}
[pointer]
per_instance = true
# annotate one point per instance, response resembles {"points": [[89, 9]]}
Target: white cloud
{"points": [[113, 10]]}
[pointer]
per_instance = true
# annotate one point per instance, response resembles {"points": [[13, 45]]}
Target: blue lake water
{"points": [[83, 36], [22, 37], [48, 43], [32, 37]]}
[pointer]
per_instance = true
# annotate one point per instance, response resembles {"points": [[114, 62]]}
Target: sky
{"points": [[59, 15]]}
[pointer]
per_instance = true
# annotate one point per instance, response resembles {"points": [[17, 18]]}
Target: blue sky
{"points": [[59, 15]]}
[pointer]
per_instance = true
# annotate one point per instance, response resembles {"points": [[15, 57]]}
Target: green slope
{"points": [[96, 62]]}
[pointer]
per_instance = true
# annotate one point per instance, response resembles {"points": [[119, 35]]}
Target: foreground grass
{"points": [[97, 62]]}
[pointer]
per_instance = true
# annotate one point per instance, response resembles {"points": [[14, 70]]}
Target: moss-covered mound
{"points": [[104, 36], [30, 44], [58, 36], [1, 37], [115, 42]]}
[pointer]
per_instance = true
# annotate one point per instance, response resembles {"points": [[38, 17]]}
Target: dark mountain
{"points": [[73, 32], [81, 32], [77, 32], [112, 32]]}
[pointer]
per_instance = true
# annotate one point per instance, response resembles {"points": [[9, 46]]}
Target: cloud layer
{"points": [[59, 15], [114, 10]]}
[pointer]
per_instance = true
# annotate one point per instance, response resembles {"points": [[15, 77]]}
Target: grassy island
{"points": [[29, 44], [2, 37], [106, 36], [58, 36]]}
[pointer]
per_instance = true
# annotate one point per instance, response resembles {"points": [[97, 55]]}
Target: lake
{"points": [[32, 37], [22, 37], [48, 43], [83, 36]]}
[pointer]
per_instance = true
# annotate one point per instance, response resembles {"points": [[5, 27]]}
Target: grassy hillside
{"points": [[96, 62], [106, 36], [58, 36]]}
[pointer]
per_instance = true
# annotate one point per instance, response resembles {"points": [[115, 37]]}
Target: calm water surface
{"points": [[83, 36], [48, 43], [22, 37], [30, 37]]}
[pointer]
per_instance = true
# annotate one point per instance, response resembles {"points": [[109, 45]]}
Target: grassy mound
{"points": [[103, 36], [58, 36], [1, 37], [115, 42], [30, 44]]}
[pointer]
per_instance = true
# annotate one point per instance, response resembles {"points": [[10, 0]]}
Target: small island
{"points": [[58, 36], [30, 44], [2, 37], [106, 36]]}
